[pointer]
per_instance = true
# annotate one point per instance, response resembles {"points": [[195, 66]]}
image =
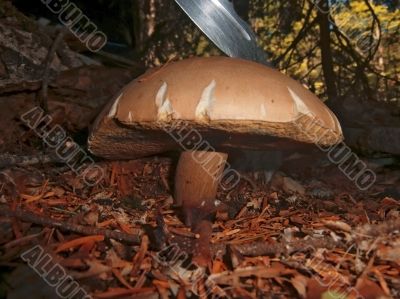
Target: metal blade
{"points": [[221, 24]]}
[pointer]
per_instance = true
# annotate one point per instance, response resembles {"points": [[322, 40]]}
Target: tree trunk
{"points": [[144, 14], [326, 53]]}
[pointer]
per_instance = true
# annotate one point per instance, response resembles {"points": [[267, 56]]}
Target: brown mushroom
{"points": [[202, 106]]}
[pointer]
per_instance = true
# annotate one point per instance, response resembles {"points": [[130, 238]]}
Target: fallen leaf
{"points": [[337, 225], [95, 268], [292, 186], [388, 253], [78, 242], [299, 282], [368, 289]]}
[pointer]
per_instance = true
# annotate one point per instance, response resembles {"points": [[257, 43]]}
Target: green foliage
{"points": [[333, 295]]}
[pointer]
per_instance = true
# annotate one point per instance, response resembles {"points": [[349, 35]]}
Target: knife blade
{"points": [[218, 20]]}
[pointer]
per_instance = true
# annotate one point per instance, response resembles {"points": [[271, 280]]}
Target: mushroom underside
{"points": [[115, 140]]}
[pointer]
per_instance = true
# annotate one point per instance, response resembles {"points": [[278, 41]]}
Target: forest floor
{"points": [[310, 233]]}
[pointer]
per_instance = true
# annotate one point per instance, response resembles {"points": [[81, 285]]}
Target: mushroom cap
{"points": [[219, 102]]}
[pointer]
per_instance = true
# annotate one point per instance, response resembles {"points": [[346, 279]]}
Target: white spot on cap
{"points": [[114, 107], [130, 116], [263, 111], [165, 110], [204, 107], [161, 95], [299, 104]]}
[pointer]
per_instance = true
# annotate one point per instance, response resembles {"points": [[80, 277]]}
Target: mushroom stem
{"points": [[198, 175]]}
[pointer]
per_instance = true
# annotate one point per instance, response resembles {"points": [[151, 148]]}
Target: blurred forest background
{"points": [[345, 48]]}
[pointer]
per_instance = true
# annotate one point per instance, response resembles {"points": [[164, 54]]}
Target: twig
{"points": [[7, 160], [259, 248], [378, 23], [70, 227], [301, 58], [120, 59], [361, 64], [23, 240], [304, 30], [46, 73]]}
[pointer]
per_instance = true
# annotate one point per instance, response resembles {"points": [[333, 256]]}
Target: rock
{"points": [[289, 185], [378, 139], [292, 186], [321, 193]]}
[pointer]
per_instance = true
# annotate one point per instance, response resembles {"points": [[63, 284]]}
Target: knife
{"points": [[222, 25]]}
